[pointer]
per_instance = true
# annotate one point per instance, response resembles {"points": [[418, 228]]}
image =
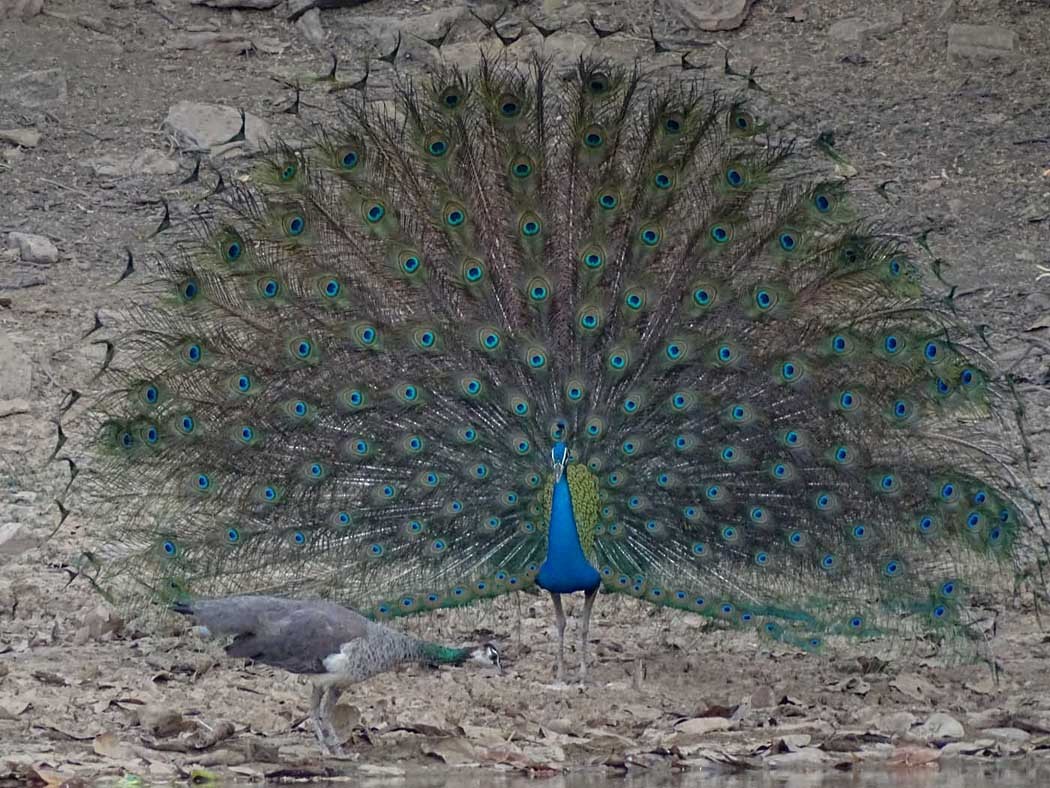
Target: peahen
{"points": [[581, 333], [318, 637]]}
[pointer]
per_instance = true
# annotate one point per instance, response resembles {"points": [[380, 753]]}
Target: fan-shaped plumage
{"points": [[574, 333]]}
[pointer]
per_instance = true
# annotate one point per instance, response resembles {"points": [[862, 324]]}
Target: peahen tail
{"points": [[350, 385]]}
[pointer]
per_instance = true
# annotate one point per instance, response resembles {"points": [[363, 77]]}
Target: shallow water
{"points": [[981, 775]]}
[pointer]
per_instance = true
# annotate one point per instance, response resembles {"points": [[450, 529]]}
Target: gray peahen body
{"points": [[319, 637], [575, 334]]}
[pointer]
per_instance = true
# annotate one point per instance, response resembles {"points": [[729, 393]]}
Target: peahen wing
{"points": [[353, 383]]}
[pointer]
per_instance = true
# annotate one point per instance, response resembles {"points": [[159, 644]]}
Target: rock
{"points": [[16, 373], [702, 725], [895, 723], [1007, 735], [36, 89], [940, 727], [200, 126], [807, 756], [13, 407], [913, 686], [234, 43], [955, 749], [148, 162], [15, 539], [763, 698], [310, 26], [716, 14], [20, 9], [982, 41], [250, 5], [33, 248], [855, 29], [162, 722], [24, 138], [989, 718], [99, 622]]}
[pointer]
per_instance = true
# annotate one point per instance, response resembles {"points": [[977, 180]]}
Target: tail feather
{"points": [[364, 361]]}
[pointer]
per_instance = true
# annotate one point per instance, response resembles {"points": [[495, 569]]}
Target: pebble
{"points": [[24, 138], [702, 725], [36, 89], [201, 126], [310, 26], [980, 41], [16, 371], [15, 539], [248, 5], [940, 727], [148, 162], [856, 29], [33, 248]]}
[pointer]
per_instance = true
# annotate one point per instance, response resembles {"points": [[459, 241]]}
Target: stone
{"points": [[33, 248], [24, 138], [703, 725], [148, 162], [248, 5], [1007, 735], [940, 727], [714, 15], [15, 539], [233, 43], [895, 723], [855, 29], [798, 759], [16, 372], [310, 26], [763, 698], [36, 89], [980, 41], [199, 126], [20, 9], [13, 407]]}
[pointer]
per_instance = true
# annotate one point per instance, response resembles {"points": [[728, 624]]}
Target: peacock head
{"points": [[487, 655], [559, 459]]}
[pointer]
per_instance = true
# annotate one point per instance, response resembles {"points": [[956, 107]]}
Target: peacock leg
{"points": [[559, 621], [588, 603]]}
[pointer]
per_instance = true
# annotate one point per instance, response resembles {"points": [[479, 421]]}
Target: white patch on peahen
{"points": [[571, 334], [318, 637]]}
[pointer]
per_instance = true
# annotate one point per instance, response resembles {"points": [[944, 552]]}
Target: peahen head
{"points": [[486, 655]]}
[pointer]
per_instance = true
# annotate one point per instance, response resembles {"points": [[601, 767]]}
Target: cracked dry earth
{"points": [[947, 146]]}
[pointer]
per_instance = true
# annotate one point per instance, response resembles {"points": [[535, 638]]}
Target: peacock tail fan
{"points": [[349, 383]]}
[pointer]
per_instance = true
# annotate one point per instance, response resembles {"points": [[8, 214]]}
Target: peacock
{"points": [[576, 331], [318, 637]]}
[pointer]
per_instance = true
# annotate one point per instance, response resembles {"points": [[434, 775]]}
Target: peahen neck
{"points": [[566, 568], [436, 654]]}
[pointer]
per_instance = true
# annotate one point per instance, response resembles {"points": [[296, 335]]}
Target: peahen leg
{"points": [[323, 699], [588, 603], [559, 621]]}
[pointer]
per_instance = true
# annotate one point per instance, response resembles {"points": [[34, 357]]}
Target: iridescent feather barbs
{"points": [[365, 381]]}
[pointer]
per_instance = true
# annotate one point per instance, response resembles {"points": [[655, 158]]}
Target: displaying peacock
{"points": [[584, 333]]}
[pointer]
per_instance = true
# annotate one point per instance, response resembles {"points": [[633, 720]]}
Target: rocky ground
{"points": [[941, 110]]}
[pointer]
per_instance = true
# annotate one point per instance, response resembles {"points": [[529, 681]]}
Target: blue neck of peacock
{"points": [[566, 569]]}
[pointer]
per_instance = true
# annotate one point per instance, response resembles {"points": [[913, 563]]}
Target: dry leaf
{"points": [[108, 746], [911, 757]]}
